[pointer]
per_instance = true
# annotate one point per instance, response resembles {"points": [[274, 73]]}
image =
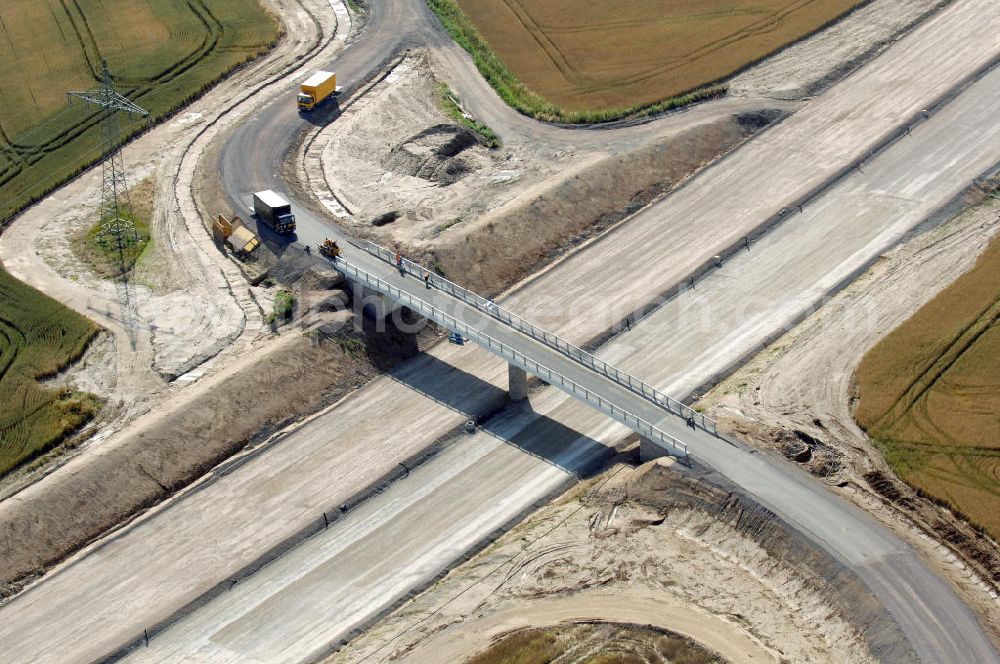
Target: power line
{"points": [[116, 219]]}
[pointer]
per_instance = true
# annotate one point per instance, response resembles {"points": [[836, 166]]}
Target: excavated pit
{"points": [[434, 154]]}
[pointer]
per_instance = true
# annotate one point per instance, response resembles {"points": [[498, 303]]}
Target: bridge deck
{"points": [[615, 393]]}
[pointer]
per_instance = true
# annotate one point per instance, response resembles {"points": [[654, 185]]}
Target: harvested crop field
{"points": [[38, 337], [161, 54], [631, 53], [930, 394]]}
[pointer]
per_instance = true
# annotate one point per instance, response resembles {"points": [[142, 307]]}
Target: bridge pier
{"points": [[411, 298], [517, 383]]}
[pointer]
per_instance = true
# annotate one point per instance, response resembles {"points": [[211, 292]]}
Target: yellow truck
{"points": [[316, 89]]}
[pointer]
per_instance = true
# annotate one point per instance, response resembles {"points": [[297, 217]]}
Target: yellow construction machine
{"points": [[241, 240], [329, 248]]}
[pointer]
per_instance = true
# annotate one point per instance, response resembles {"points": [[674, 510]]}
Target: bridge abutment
{"points": [[517, 383], [648, 450], [604, 382]]}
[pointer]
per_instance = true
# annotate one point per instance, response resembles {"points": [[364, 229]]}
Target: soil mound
{"points": [[593, 641], [434, 154]]}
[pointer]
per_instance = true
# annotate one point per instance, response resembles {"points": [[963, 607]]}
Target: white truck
{"points": [[274, 211]]}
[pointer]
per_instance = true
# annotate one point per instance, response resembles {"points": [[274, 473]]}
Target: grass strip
{"points": [[99, 250], [449, 103], [284, 308], [517, 95]]}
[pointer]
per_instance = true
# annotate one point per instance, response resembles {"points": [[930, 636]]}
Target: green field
{"points": [[929, 395], [38, 338], [162, 54]]}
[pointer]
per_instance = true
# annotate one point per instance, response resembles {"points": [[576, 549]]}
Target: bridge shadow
{"points": [[533, 433]]}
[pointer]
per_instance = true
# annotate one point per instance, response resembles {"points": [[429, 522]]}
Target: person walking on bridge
{"points": [[399, 263]]}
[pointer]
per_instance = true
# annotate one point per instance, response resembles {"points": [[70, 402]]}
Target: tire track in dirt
{"points": [[763, 27], [84, 43], [544, 42]]}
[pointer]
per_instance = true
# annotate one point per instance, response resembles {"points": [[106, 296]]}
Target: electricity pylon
{"points": [[116, 209], [116, 218]]}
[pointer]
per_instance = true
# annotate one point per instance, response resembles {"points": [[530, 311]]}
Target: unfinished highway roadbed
{"points": [[175, 573]]}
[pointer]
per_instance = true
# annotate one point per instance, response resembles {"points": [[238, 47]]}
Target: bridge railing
{"points": [[576, 353], [427, 310]]}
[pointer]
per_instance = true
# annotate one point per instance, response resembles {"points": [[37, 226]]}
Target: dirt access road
{"points": [[837, 134], [296, 494], [336, 581], [191, 302]]}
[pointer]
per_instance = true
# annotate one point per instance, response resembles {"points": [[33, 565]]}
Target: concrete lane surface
{"points": [[663, 244], [336, 582], [295, 609], [154, 568]]}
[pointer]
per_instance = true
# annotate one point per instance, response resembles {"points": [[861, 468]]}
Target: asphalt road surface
{"points": [[153, 570], [338, 580], [252, 156]]}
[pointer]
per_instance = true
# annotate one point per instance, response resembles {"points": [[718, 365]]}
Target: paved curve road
{"points": [[875, 572], [340, 579], [46, 619]]}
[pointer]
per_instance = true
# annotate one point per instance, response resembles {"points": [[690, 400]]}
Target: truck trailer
{"points": [[316, 89], [274, 211]]}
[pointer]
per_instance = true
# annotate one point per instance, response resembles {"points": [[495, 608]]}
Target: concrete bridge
{"points": [[661, 421]]}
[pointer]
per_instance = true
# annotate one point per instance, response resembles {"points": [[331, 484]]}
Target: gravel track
{"points": [[816, 146]]}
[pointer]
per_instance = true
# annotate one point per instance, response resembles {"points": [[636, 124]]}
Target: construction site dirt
{"points": [[199, 317], [201, 377], [151, 482], [134, 386], [242, 406], [774, 401], [619, 546], [481, 224]]}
